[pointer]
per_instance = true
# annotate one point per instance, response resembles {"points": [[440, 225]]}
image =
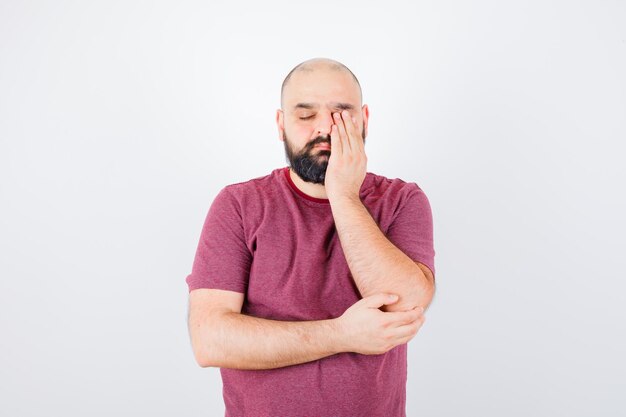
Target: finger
{"points": [[378, 300], [408, 337], [400, 318], [409, 330], [336, 147], [345, 141], [350, 130]]}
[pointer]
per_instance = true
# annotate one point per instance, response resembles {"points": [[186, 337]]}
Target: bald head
{"points": [[317, 64]]}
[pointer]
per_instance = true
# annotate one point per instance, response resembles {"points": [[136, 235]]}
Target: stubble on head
{"points": [[309, 163]]}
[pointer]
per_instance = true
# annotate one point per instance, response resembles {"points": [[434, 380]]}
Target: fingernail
{"points": [[392, 296]]}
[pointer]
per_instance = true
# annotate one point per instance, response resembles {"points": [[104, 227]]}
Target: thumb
{"points": [[378, 300]]}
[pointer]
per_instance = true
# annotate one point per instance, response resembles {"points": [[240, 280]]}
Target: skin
{"points": [[221, 335], [326, 90]]}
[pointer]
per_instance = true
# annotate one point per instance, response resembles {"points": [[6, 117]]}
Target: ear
{"points": [[280, 124], [366, 116]]}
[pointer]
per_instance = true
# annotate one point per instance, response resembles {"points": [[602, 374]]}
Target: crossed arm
{"points": [[223, 337], [390, 270]]}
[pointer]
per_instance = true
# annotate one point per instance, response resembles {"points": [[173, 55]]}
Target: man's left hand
{"points": [[347, 164]]}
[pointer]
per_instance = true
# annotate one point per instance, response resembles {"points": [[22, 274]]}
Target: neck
{"points": [[310, 189]]}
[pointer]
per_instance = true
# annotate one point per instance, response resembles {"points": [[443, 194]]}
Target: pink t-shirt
{"points": [[268, 240]]}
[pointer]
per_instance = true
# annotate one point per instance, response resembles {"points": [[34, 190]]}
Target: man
{"points": [[290, 287]]}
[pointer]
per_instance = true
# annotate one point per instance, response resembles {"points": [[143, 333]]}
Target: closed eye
{"points": [[306, 118]]}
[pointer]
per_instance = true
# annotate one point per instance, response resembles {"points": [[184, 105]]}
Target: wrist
{"points": [[344, 199], [337, 336]]}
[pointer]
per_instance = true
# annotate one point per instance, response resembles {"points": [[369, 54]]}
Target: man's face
{"points": [[311, 161], [310, 98]]}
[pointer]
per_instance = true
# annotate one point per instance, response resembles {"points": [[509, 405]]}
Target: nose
{"points": [[325, 121]]}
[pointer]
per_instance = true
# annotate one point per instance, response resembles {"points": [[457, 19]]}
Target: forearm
{"points": [[240, 341], [376, 264]]}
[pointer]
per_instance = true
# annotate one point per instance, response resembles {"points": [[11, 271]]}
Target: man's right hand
{"points": [[367, 330]]}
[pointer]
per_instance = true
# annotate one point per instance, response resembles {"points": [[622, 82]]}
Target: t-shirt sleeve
{"points": [[412, 229], [222, 258]]}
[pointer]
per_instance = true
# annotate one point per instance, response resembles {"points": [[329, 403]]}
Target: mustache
{"points": [[318, 140]]}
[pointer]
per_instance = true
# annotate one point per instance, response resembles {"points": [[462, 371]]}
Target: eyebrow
{"points": [[334, 105]]}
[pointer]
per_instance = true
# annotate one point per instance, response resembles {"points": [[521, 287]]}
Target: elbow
{"points": [[204, 358], [205, 350], [425, 296], [206, 364], [419, 294], [425, 291], [199, 353], [208, 335]]}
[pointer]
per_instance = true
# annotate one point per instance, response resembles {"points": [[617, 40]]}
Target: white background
{"points": [[121, 120]]}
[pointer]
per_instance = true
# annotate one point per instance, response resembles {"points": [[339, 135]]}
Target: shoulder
{"points": [[379, 186], [251, 191], [254, 183]]}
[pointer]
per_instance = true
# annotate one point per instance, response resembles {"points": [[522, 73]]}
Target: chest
{"points": [[299, 271]]}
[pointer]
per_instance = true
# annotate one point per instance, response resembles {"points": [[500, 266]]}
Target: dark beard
{"points": [[310, 165]]}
